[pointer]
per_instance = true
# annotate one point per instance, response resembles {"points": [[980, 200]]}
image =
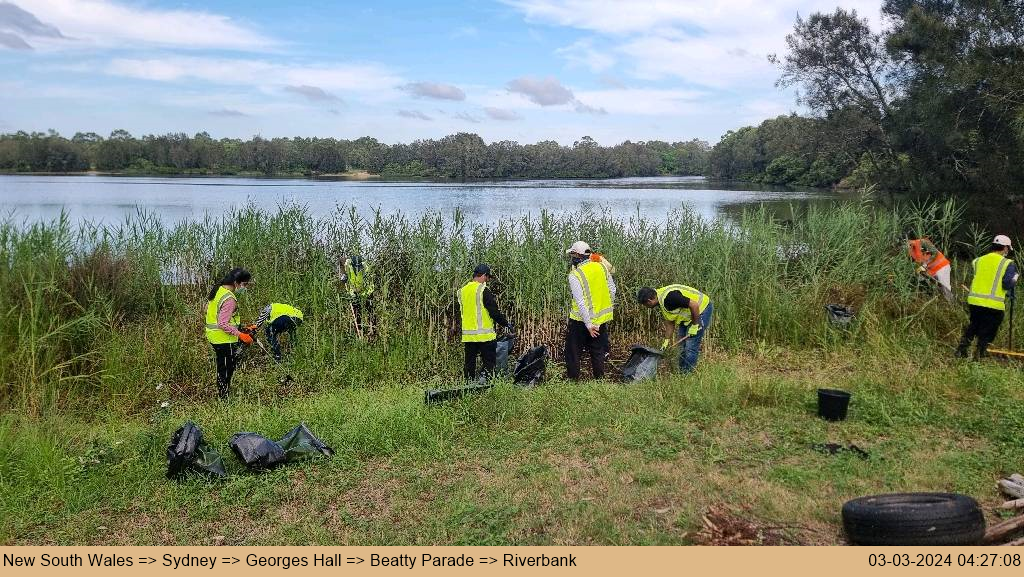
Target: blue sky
{"points": [[525, 70]]}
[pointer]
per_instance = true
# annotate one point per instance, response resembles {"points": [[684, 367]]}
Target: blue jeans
{"points": [[689, 350]]}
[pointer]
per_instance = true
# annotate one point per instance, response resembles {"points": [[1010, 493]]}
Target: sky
{"points": [[399, 70]]}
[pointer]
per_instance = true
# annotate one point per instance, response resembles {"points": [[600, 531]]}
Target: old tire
{"points": [[914, 519]]}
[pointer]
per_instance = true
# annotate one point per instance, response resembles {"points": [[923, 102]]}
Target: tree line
{"points": [[461, 155], [933, 104]]}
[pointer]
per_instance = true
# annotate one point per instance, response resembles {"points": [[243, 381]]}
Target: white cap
{"points": [[1002, 240], [579, 247]]}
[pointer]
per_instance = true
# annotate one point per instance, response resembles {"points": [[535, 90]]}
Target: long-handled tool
{"points": [[355, 319], [1009, 353]]}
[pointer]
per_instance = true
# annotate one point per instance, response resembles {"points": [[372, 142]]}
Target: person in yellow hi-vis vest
{"points": [[356, 275], [590, 311], [280, 318], [687, 313], [995, 277], [222, 324], [477, 313]]}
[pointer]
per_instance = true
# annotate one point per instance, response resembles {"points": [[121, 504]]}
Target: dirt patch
{"points": [[737, 527]]}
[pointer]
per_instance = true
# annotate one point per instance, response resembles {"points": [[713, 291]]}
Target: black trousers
{"points": [[577, 338], [488, 353], [984, 325], [282, 324], [225, 366]]}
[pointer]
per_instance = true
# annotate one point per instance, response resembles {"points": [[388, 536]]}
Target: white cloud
{"points": [[336, 77], [583, 53], [723, 44], [645, 102], [105, 23]]}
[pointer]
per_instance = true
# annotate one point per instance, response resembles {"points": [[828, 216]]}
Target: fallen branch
{"points": [[1011, 488], [1000, 531], [1015, 504], [1016, 543]]}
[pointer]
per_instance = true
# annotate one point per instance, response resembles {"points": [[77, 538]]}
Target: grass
{"points": [[590, 463], [101, 325]]}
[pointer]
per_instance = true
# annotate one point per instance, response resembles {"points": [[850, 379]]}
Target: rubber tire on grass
{"points": [[914, 519]]}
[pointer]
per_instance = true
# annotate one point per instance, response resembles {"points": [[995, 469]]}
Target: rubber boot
{"points": [[962, 348], [982, 350]]}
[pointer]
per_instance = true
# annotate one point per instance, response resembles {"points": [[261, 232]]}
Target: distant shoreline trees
{"points": [[458, 156]]}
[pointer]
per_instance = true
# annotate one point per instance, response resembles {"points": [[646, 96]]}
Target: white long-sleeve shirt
{"points": [[578, 297]]}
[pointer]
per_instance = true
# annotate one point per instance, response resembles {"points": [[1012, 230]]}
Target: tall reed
{"points": [[103, 315]]}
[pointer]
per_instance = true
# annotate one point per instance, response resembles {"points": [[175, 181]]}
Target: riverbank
{"points": [[349, 174], [589, 463]]}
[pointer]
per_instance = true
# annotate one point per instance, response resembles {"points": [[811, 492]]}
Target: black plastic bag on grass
{"points": [[839, 316], [299, 443], [188, 452], [503, 348], [531, 366], [642, 364], [257, 452]]}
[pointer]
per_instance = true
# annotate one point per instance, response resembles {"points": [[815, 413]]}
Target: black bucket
{"points": [[832, 404]]}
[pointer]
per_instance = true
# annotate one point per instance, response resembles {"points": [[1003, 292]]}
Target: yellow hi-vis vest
{"points": [[680, 316], [594, 280], [477, 324], [214, 333], [987, 287], [281, 309], [358, 285]]}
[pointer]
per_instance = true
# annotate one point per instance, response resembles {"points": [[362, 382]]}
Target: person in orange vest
{"points": [[931, 262]]}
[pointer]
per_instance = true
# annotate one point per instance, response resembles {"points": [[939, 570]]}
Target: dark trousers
{"points": [[488, 353], [362, 308], [282, 324], [225, 366], [577, 338], [984, 325]]}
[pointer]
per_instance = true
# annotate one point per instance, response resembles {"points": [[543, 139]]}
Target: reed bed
{"points": [[110, 316]]}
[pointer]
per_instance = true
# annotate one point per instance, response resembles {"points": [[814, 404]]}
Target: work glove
{"points": [[693, 330], [250, 328], [511, 329], [664, 344], [245, 338]]}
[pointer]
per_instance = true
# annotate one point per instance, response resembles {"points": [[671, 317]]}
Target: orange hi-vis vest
{"points": [[919, 256]]}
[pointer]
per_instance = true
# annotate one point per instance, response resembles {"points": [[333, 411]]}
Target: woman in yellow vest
{"points": [[280, 318], [593, 295], [222, 324], [478, 312], [995, 277]]}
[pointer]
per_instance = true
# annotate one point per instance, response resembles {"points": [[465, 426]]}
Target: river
{"points": [[110, 199]]}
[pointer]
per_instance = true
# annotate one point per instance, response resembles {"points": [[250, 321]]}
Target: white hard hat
{"points": [[1002, 240], [578, 247]]}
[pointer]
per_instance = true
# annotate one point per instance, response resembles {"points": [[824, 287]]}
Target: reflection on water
{"points": [[111, 199]]}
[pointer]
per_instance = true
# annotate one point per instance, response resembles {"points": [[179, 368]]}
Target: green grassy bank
{"points": [[101, 325]]}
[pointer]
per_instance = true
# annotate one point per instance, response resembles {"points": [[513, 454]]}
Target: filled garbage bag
{"points": [[504, 347], [839, 315], [642, 364], [440, 395], [257, 452], [530, 368], [299, 443], [188, 452]]}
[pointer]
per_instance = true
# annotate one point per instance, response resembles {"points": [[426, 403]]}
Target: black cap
{"points": [[482, 269]]}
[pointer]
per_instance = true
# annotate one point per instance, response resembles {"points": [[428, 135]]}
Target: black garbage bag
{"points": [[300, 443], [440, 395], [257, 452], [839, 315], [504, 347], [188, 452], [642, 364], [531, 366]]}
